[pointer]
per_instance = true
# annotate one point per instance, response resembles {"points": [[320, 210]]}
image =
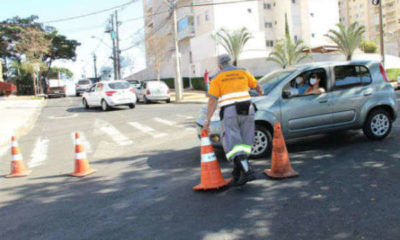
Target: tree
{"points": [[287, 52], [157, 52], [233, 42], [368, 46], [347, 38], [55, 71], [33, 44]]}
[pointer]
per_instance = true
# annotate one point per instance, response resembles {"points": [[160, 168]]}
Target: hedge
{"points": [[393, 73]]}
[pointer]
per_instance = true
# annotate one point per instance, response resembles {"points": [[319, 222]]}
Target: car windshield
{"points": [[269, 81], [83, 82], [119, 85]]}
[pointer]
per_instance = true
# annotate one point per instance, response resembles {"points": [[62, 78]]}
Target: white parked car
{"points": [[153, 91], [110, 94]]}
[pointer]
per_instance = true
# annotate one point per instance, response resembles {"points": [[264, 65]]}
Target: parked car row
{"points": [[357, 95], [108, 94]]}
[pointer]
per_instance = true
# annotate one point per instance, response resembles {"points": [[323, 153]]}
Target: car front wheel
{"points": [[262, 142], [104, 106], [131, 105], [378, 124], [85, 104]]}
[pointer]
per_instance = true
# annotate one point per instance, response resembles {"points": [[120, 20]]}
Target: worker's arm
{"points": [[254, 84], [212, 105]]}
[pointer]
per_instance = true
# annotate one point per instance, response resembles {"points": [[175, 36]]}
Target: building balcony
{"points": [[186, 27]]}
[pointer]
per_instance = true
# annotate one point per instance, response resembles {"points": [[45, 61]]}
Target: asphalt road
{"points": [[147, 162]]}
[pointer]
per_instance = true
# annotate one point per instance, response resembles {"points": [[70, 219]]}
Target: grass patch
{"points": [[393, 73]]}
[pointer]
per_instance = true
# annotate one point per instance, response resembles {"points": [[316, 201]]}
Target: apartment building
{"points": [[198, 20], [367, 14]]}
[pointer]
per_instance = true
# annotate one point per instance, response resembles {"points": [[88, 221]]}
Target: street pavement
{"points": [[148, 160]]}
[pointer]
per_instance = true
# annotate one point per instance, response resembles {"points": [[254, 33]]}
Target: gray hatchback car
{"points": [[357, 95]]}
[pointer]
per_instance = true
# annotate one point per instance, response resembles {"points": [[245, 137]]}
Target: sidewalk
{"points": [[191, 96], [18, 114]]}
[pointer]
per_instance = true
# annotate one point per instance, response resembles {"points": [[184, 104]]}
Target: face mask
{"points": [[313, 81], [299, 80]]}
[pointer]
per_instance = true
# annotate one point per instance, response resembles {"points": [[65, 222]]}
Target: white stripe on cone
{"points": [[17, 157], [205, 141], [14, 144], [208, 157], [80, 155]]}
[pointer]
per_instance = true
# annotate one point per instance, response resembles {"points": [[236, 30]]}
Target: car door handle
{"points": [[323, 101], [367, 93]]}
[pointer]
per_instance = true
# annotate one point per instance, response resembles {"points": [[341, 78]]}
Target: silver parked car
{"points": [[357, 95]]}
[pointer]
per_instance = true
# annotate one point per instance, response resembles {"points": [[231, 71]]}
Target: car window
{"points": [[270, 81], [83, 82], [351, 76], [301, 86], [99, 87], [119, 85]]}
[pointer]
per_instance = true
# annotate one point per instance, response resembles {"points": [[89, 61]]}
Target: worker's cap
{"points": [[224, 59]]}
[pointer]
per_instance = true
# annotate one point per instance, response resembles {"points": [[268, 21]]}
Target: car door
{"points": [[89, 95], [97, 95], [306, 114], [352, 87]]}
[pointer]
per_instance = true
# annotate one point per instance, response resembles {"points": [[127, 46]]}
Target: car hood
{"points": [[263, 102]]}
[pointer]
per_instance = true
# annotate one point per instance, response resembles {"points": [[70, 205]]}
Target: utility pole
{"points": [[94, 65], [178, 78], [113, 36], [117, 45], [381, 31]]}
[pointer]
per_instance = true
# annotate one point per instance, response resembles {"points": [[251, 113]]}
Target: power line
{"points": [[90, 14], [215, 3]]}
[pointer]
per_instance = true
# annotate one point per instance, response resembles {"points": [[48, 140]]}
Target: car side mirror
{"points": [[293, 92]]}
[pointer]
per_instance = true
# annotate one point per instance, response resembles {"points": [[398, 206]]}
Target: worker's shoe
{"points": [[247, 174], [236, 172]]}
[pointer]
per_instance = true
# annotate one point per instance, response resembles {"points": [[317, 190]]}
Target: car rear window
{"points": [[350, 76], [84, 82], [119, 85], [157, 85], [133, 81]]}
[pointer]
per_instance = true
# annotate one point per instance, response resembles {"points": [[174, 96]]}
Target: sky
{"points": [[83, 29]]}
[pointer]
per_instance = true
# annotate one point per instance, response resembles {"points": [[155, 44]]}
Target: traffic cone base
{"points": [[289, 174], [211, 175], [83, 174], [20, 174]]}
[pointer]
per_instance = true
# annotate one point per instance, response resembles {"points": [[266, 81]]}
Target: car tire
{"points": [[104, 106], [85, 104], [378, 124], [131, 106], [168, 101], [145, 100], [262, 142], [77, 94]]}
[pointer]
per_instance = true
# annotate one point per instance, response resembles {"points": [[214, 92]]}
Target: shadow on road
{"points": [[347, 189]]}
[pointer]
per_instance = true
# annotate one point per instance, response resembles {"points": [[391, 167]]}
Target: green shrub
{"points": [[393, 73], [368, 46]]}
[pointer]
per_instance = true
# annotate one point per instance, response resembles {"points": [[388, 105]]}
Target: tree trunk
{"points": [[34, 83], [348, 58]]}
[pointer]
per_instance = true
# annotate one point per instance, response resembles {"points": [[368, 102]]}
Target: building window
{"points": [[274, 4], [267, 5], [198, 20], [207, 16], [249, 10], [276, 22], [294, 1], [270, 43], [313, 35], [190, 57], [268, 24], [312, 14]]}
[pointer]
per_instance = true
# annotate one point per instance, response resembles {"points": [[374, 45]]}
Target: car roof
{"points": [[307, 66]]}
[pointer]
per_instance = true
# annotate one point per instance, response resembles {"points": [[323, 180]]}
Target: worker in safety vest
{"points": [[230, 89]]}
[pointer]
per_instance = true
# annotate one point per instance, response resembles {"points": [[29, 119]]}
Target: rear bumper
{"points": [[158, 97], [116, 102]]}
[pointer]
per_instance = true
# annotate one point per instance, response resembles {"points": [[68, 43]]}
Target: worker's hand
{"points": [[206, 125], [260, 91]]}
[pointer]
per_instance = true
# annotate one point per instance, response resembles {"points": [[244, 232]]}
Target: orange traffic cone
{"points": [[18, 168], [280, 163], [82, 167], [211, 176]]}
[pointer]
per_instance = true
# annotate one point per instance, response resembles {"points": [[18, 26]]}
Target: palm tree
{"points": [[347, 38], [287, 52], [233, 42]]}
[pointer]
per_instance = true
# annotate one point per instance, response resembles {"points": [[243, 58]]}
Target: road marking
{"points": [[113, 132], [39, 154], [164, 121], [185, 116], [86, 143], [64, 117], [147, 129]]}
